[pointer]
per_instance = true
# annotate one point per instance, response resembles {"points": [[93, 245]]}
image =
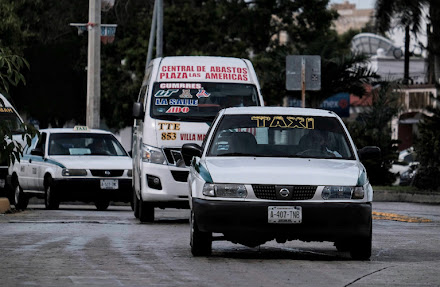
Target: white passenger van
{"points": [[9, 118], [178, 100]]}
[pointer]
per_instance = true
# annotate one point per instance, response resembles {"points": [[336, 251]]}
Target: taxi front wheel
{"points": [[21, 201], [201, 242], [361, 249], [102, 204], [50, 199]]}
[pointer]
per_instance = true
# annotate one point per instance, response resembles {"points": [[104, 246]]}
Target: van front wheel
{"points": [[146, 211]]}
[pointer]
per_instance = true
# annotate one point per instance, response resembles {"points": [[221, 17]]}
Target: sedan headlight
{"points": [[343, 192], [225, 190], [153, 155], [73, 172]]}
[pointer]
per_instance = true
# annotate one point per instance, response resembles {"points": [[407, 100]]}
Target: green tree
{"points": [[372, 128], [409, 14], [10, 66], [427, 147]]}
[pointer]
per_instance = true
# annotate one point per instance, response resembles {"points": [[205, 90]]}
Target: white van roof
{"points": [[203, 69]]}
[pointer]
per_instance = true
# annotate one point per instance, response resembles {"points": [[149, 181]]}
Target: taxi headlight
{"points": [[153, 155], [73, 172], [225, 190], [343, 192]]}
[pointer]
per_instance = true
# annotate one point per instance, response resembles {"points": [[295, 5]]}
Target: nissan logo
{"points": [[284, 192]]}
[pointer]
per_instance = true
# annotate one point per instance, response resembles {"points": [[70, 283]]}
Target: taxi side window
{"points": [[28, 149], [42, 142]]}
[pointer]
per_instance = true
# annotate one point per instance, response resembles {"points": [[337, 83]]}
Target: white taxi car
{"points": [[267, 173], [72, 164]]}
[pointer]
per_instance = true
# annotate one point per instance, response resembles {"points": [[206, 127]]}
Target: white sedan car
{"points": [[266, 173], [76, 164]]}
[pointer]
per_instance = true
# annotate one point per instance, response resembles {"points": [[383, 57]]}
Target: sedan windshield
{"points": [[85, 144], [280, 136], [199, 102]]}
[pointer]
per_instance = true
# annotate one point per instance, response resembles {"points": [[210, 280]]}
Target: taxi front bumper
{"points": [[89, 189], [331, 221]]}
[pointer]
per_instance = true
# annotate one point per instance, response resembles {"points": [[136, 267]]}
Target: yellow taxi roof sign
{"points": [[81, 128]]}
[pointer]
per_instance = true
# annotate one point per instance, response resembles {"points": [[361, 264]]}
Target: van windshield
{"points": [[199, 102], [9, 119]]}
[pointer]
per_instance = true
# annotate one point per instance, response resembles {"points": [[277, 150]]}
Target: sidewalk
{"points": [[405, 196]]}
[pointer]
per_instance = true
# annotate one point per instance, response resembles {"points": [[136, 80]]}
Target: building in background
{"points": [[350, 17]]}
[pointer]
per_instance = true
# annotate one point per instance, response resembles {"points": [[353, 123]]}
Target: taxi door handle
{"points": [[30, 160]]}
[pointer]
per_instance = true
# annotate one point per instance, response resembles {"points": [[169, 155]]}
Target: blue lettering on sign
{"points": [[183, 102], [161, 102], [164, 93]]}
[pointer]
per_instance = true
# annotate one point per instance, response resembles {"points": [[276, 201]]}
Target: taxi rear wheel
{"points": [[102, 204], [21, 201], [201, 242], [50, 199]]}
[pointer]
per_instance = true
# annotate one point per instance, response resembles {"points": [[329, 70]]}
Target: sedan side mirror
{"points": [[138, 111], [37, 151], [190, 150], [369, 152]]}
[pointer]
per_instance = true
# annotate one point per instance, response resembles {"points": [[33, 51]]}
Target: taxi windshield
{"points": [[85, 144], [199, 102], [280, 136]]}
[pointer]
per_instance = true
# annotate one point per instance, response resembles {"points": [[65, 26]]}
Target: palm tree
{"points": [[409, 15]]}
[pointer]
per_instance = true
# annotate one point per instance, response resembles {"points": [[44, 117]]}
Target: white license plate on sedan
{"points": [[284, 214], [109, 184]]}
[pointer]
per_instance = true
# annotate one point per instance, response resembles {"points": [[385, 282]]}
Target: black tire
{"points": [[201, 242], [21, 200], [361, 247], [135, 205], [50, 197], [102, 204], [146, 211], [342, 246]]}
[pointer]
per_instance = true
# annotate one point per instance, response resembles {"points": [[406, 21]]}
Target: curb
{"points": [[394, 196], [4, 205]]}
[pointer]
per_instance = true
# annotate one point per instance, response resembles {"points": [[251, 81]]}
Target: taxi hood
{"points": [[94, 162], [286, 171]]}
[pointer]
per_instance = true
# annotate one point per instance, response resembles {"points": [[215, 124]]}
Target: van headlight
{"points": [[225, 190], [153, 155], [343, 192]]}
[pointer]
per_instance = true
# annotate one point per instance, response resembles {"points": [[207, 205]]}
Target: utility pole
{"points": [[94, 65], [156, 24]]}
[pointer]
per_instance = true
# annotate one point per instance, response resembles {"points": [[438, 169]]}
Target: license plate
{"points": [[2, 183], [109, 184], [284, 214]]}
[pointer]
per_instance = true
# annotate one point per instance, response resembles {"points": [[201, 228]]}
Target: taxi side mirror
{"points": [[189, 150], [138, 111], [37, 151], [369, 152]]}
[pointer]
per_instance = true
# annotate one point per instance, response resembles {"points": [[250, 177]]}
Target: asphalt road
{"points": [[80, 246]]}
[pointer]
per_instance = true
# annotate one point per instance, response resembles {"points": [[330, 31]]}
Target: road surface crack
{"points": [[366, 275]]}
